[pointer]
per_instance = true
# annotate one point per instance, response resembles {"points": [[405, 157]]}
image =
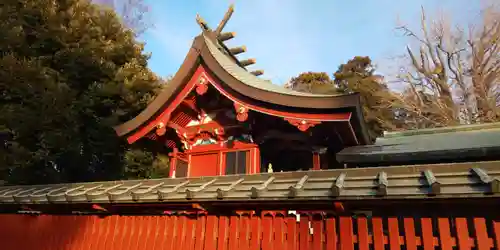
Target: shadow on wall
{"points": [[42, 232]]}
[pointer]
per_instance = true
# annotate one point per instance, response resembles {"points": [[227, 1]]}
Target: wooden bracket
{"points": [[302, 125], [202, 85], [161, 129], [241, 112]]}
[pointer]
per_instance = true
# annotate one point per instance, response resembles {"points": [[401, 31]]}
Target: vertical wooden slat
{"points": [[146, 238], [134, 232], [117, 233], [233, 232], [483, 242], [363, 234], [37, 230], [346, 233], [72, 224], [127, 232], [72, 241], [3, 229], [223, 234], [212, 231], [394, 240], [200, 232], [152, 233], [93, 236], [427, 234], [110, 241], [445, 239], [90, 235], [267, 232], [76, 223], [141, 232], [190, 233], [304, 232], [17, 233], [165, 232], [256, 232], [291, 233], [237, 233], [244, 237], [7, 232], [20, 233], [171, 233], [67, 237], [128, 224], [378, 234], [103, 233], [410, 237], [331, 234], [464, 241], [181, 232], [86, 231], [51, 236], [279, 232], [78, 242], [317, 226], [496, 232]]}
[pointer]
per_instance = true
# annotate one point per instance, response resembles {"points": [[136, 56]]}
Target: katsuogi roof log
{"points": [[226, 36], [238, 50], [399, 182]]}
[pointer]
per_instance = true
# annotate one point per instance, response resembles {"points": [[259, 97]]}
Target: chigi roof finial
{"points": [[224, 20], [222, 37]]}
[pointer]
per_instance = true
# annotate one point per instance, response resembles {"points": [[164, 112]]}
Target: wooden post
{"points": [[316, 161], [173, 162]]}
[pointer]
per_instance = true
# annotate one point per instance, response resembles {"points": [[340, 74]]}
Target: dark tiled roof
{"points": [[451, 143], [411, 182]]}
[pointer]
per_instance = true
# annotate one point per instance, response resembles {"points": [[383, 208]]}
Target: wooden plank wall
{"points": [[245, 232]]}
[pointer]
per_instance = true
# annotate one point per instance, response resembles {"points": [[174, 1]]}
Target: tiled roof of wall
{"points": [[408, 182]]}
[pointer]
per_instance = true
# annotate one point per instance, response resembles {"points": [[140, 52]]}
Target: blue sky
{"points": [[288, 37]]}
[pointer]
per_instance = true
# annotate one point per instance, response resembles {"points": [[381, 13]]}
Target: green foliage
{"points": [[357, 75], [313, 82], [135, 160], [69, 71]]}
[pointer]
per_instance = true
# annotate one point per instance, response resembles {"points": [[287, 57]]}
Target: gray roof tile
{"points": [[411, 182]]}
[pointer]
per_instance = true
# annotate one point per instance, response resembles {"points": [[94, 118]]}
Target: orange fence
{"points": [[274, 232]]}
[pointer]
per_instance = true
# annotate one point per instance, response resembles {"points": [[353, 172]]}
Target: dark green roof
{"points": [[450, 144]]}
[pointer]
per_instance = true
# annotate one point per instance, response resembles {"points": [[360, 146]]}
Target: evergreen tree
{"points": [[70, 71], [357, 75]]}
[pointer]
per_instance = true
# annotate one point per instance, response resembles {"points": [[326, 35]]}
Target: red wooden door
{"points": [[204, 165]]}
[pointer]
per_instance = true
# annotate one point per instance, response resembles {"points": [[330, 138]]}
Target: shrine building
{"points": [[225, 128], [216, 117]]}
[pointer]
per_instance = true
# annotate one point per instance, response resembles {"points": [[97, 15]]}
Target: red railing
{"points": [[245, 232]]}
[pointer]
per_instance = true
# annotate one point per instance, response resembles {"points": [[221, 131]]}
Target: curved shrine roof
{"points": [[205, 51], [248, 78], [209, 52]]}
